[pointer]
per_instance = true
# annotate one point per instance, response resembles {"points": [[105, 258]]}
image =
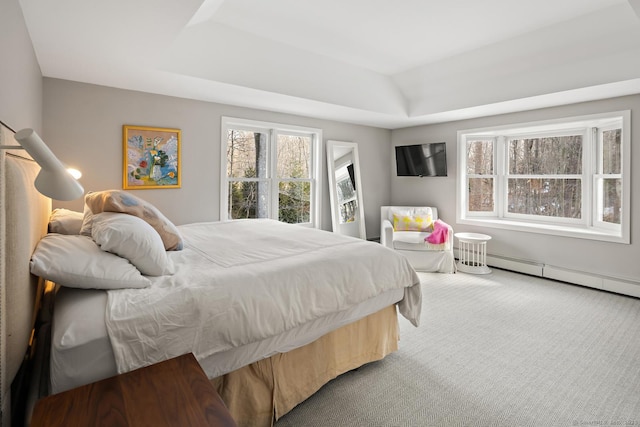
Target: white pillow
{"points": [[77, 262], [124, 202], [134, 239], [65, 221]]}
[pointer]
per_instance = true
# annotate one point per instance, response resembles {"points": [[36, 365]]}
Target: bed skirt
{"points": [[261, 393]]}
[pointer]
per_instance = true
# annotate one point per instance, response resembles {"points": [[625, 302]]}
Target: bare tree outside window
{"points": [[612, 179], [480, 175], [250, 181], [545, 176], [247, 170], [294, 174]]}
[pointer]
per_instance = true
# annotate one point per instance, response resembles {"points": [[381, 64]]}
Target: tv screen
{"points": [[422, 159], [352, 175]]}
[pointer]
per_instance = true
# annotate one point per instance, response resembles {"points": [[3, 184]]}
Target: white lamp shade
{"points": [[59, 185], [53, 180]]}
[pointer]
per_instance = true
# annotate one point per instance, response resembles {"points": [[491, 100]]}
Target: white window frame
{"points": [[598, 176], [587, 227], [273, 130], [493, 175], [582, 177]]}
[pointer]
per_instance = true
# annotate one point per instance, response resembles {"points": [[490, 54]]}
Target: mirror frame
{"points": [[333, 196]]}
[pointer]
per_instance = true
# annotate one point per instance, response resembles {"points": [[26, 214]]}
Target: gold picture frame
{"points": [[151, 157]]}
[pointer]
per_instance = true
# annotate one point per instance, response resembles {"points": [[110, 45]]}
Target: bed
{"points": [[272, 311]]}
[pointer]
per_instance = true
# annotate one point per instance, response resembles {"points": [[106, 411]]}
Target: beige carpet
{"points": [[497, 350]]}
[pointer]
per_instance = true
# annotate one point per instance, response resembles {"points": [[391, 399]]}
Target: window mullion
{"points": [[273, 174], [316, 183], [500, 174], [312, 187], [590, 161]]}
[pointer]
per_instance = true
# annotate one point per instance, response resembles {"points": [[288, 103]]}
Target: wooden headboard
{"points": [[24, 214]]}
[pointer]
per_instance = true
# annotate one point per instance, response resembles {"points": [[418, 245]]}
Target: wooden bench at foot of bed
{"points": [[260, 393]]}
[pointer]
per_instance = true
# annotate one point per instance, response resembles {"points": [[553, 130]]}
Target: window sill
{"points": [[551, 229]]}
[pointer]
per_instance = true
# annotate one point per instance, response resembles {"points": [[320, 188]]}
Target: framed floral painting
{"points": [[151, 157]]}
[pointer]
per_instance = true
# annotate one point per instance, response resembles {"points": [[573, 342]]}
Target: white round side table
{"points": [[472, 253]]}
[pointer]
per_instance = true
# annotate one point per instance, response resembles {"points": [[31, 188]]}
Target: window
{"points": [[270, 171], [560, 177]]}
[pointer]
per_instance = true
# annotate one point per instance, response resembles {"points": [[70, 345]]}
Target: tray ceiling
{"points": [[373, 62]]}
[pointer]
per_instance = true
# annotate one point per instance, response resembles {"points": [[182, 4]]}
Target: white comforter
{"points": [[243, 281]]}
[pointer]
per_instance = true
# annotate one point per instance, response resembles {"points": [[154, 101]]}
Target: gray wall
{"points": [[83, 126], [20, 76], [611, 259]]}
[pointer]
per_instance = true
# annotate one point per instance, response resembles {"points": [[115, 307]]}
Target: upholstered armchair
{"points": [[407, 229]]}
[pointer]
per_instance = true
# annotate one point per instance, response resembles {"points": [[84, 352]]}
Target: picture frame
{"points": [[151, 157]]}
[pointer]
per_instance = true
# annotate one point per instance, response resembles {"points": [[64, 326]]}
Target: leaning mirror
{"points": [[345, 189]]}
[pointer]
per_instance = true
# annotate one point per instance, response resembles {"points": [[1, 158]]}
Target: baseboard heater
{"points": [[606, 283]]}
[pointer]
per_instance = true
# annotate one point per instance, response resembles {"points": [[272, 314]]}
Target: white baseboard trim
{"points": [[611, 284], [521, 266], [606, 283], [572, 276], [621, 287]]}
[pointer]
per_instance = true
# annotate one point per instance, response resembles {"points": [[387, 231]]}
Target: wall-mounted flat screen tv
{"points": [[422, 159]]}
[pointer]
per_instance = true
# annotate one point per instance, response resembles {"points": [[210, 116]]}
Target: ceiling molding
{"points": [[359, 62]]}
